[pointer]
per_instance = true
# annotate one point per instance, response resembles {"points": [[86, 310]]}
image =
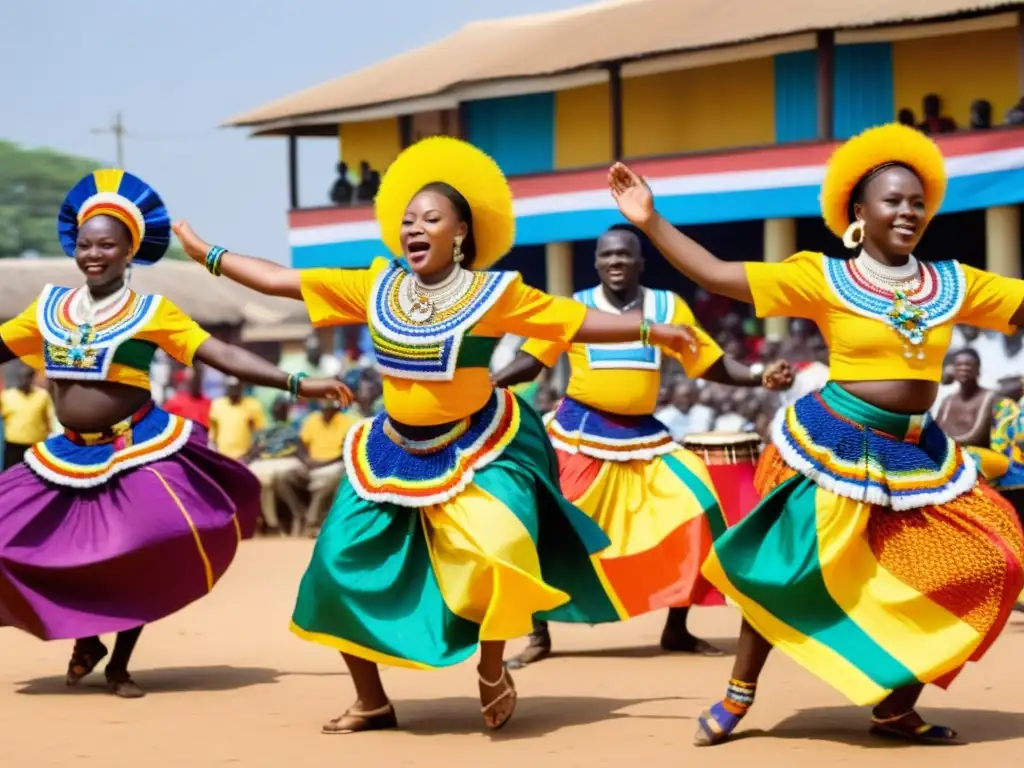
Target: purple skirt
{"points": [[154, 533]]}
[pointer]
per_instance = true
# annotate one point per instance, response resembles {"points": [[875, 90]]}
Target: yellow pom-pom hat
{"points": [[892, 144], [460, 165]]}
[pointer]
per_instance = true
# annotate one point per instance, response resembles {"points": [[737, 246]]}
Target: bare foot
{"points": [[121, 684], [538, 649], [678, 642]]}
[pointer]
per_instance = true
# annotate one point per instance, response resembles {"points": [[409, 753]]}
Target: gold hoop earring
{"points": [[457, 255], [854, 234]]}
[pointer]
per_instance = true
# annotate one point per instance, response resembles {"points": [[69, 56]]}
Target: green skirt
{"points": [[424, 555]]}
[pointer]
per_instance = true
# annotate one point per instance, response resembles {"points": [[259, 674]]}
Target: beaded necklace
{"points": [[908, 319]]}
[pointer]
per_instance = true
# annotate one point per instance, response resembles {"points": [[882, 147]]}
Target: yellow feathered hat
{"points": [[893, 143], [469, 170]]}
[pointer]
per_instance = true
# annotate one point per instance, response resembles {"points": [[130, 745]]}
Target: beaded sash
{"points": [[431, 350], [383, 466]]}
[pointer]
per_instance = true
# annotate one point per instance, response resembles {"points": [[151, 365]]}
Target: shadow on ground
{"points": [[171, 680], [726, 645], [535, 716], [849, 725]]}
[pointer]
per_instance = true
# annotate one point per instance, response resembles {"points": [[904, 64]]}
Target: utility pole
{"points": [[118, 132]]}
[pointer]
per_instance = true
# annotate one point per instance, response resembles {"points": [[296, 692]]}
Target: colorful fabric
{"points": [[87, 461], [626, 378], [128, 199], [1006, 437], [866, 597], [51, 335], [341, 296], [651, 503], [921, 466], [420, 586], [578, 428], [149, 541], [863, 345]]}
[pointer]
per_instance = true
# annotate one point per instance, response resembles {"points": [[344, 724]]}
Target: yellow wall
{"points": [[726, 105], [377, 142], [583, 126], [960, 69]]}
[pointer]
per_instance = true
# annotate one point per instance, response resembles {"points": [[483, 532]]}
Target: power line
{"points": [[118, 131]]}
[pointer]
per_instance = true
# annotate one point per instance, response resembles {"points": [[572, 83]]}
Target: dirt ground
{"points": [[229, 685]]}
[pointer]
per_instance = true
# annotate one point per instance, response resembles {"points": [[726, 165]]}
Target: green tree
{"points": [[33, 183]]}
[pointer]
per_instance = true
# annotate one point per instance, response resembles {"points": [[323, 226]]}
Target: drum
{"points": [[731, 458]]}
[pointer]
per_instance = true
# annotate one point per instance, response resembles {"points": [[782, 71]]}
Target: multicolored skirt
{"points": [[876, 558], [435, 545], [649, 495], [107, 532]]}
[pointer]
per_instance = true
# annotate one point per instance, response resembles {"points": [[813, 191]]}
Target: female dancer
{"points": [[450, 511], [987, 426], [619, 464], [877, 604], [127, 517]]}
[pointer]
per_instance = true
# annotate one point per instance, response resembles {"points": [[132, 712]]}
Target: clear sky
{"points": [[178, 69]]}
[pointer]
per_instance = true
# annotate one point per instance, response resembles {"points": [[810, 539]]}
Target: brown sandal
{"points": [[379, 719], [123, 686], [508, 693], [84, 661]]}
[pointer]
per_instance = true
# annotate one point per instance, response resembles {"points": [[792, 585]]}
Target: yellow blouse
{"points": [[48, 337], [863, 344], [438, 371], [626, 378]]}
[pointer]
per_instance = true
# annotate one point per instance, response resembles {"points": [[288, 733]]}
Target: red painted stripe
{"points": [[753, 159]]}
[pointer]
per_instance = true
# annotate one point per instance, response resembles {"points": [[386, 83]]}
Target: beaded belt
{"points": [[422, 447], [122, 431]]}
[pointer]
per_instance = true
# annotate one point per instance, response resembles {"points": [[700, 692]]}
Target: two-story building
{"points": [[729, 108]]}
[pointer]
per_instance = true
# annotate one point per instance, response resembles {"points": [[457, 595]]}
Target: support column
{"points": [[293, 171], [826, 54], [615, 108], [558, 261], [779, 244], [1002, 240]]}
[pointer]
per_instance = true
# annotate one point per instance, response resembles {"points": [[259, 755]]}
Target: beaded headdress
{"points": [[886, 145], [124, 197], [460, 165]]}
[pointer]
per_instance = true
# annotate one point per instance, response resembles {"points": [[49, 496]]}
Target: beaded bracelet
{"points": [[294, 382], [213, 259], [645, 332]]}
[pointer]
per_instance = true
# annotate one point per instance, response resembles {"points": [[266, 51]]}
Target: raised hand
{"points": [[326, 389], [632, 195], [778, 376], [194, 246]]}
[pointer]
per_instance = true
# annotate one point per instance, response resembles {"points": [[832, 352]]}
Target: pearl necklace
{"points": [[87, 311], [421, 302], [906, 277]]}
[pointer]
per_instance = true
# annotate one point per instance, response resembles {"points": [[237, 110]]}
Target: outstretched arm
{"points": [[260, 275], [728, 370], [636, 202], [521, 370], [253, 369]]}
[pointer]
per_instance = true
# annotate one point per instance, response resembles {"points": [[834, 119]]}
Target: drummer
{"points": [[621, 466]]}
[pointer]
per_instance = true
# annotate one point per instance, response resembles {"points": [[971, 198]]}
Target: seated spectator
{"points": [[277, 457], [906, 117], [323, 436], [341, 192], [367, 390], [189, 402], [1015, 115], [234, 421], [366, 191], [934, 121], [981, 115]]}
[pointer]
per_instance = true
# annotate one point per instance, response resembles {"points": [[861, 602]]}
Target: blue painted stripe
{"points": [[796, 96], [966, 193]]}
